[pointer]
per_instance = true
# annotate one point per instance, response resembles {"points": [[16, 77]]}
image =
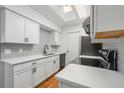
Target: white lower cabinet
{"points": [[52, 65], [30, 74], [55, 38], [56, 64], [23, 79], [49, 67], [39, 74], [30, 78]]}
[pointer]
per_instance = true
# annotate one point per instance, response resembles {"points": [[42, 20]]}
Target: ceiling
{"points": [[56, 13]]}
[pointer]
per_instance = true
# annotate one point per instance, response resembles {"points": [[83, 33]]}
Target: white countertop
{"points": [[93, 77], [91, 57], [18, 60]]}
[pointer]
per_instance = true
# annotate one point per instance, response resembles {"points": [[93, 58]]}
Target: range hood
{"points": [[86, 25]]}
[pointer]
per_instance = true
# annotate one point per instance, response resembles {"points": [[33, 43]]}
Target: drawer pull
{"points": [[34, 63], [54, 62], [34, 70], [25, 39]]}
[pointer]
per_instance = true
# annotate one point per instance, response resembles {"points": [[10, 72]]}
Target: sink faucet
{"points": [[46, 48]]}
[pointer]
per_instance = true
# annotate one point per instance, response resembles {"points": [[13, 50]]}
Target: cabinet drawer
{"points": [[22, 66], [50, 59], [39, 62], [29, 64], [57, 57]]}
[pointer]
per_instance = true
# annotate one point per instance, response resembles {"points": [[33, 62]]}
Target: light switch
{"points": [[20, 50], [7, 51]]}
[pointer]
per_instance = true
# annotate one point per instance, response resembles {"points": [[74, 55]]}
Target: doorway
{"points": [[73, 46]]}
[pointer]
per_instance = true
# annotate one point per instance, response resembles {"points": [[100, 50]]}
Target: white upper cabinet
{"points": [[12, 27], [55, 38], [107, 18], [31, 32], [92, 18], [17, 29], [106, 21]]}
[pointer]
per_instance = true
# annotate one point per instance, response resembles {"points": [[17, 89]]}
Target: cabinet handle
{"points": [[34, 63], [54, 62], [25, 40], [34, 70]]}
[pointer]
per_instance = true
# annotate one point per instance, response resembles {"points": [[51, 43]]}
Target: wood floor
{"points": [[51, 82]]}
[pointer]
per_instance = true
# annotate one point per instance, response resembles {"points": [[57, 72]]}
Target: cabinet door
{"points": [[57, 38], [108, 18], [31, 32], [52, 65], [92, 23], [50, 68], [56, 63], [14, 27], [39, 74], [23, 79]]}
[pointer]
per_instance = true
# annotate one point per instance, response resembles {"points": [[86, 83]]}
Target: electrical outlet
{"points": [[20, 50], [7, 51]]}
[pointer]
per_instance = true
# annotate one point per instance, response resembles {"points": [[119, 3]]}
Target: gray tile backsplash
{"points": [[27, 49]]}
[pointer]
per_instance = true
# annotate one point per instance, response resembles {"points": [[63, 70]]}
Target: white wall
{"points": [[32, 14]]}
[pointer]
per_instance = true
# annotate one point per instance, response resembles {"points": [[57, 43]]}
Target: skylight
{"points": [[67, 8]]}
